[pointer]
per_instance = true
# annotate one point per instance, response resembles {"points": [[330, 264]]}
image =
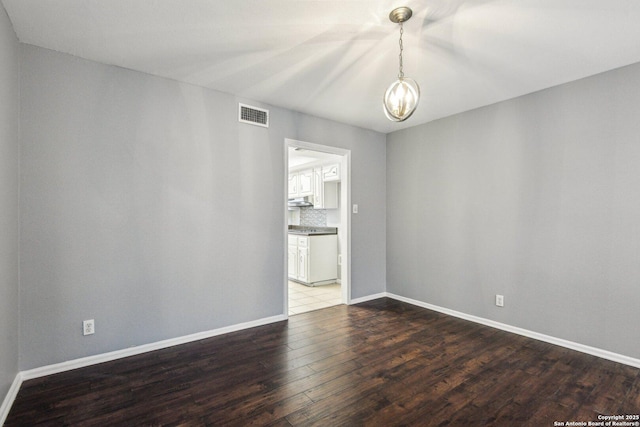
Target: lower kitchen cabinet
{"points": [[303, 264], [292, 259], [313, 260]]}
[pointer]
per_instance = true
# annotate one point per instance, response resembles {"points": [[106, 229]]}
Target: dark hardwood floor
{"points": [[380, 363]]}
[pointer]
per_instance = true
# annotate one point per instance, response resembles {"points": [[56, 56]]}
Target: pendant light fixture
{"points": [[401, 98]]}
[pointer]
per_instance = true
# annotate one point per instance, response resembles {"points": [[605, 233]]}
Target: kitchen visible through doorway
{"points": [[317, 227]]}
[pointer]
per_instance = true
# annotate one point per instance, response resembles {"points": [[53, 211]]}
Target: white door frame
{"points": [[345, 217]]}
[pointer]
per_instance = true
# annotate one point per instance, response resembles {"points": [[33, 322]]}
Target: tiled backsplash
{"points": [[313, 217]]}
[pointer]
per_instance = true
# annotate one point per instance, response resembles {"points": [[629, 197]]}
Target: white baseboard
{"points": [[132, 351], [605, 354], [368, 298], [10, 397]]}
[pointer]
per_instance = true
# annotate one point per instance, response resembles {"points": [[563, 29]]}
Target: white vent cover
{"points": [[253, 115]]}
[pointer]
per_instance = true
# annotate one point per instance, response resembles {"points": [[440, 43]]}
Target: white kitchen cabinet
{"points": [[293, 185], [330, 195], [315, 258], [292, 260], [305, 183], [318, 189], [303, 264], [331, 173], [301, 184], [319, 182], [325, 194]]}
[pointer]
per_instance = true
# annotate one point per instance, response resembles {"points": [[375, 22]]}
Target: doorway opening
{"points": [[317, 224]]}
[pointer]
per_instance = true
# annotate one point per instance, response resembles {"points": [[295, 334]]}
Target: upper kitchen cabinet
{"points": [[293, 185], [331, 173], [305, 183], [325, 194], [319, 182], [301, 183], [318, 189]]}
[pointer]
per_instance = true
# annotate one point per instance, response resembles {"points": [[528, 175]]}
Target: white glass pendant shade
{"points": [[401, 99]]}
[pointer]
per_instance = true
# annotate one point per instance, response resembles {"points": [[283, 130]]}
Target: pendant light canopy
{"points": [[401, 98]]}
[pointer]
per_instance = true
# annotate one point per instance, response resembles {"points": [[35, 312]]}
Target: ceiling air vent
{"points": [[253, 115]]}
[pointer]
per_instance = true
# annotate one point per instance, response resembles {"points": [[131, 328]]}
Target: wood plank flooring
{"points": [[381, 363]]}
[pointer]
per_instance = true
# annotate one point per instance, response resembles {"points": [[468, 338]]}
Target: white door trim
{"points": [[345, 217]]}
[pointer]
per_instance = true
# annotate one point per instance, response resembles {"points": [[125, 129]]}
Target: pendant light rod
{"points": [[401, 73]]}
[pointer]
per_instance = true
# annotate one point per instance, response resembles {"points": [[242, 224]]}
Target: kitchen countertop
{"points": [[303, 230]]}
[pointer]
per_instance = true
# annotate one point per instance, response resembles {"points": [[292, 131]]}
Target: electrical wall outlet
{"points": [[500, 300], [88, 327]]}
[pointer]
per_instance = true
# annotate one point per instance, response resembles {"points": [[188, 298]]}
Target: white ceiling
{"points": [[300, 157], [334, 59]]}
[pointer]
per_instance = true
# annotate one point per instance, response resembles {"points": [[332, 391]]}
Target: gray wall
{"points": [[9, 214], [148, 207], [536, 198]]}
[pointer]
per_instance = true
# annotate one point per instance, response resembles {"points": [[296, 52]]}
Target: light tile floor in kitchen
{"points": [[307, 298]]}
